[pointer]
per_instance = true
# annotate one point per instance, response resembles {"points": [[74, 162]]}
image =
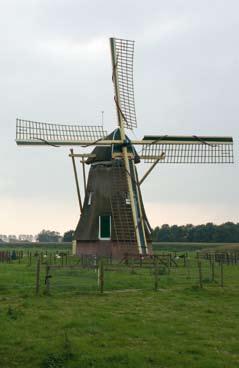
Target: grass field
{"points": [[36, 246], [130, 325], [162, 246], [185, 247]]}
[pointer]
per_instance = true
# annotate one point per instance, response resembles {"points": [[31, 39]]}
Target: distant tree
{"points": [[14, 255], [164, 233], [68, 236], [48, 236], [227, 232]]}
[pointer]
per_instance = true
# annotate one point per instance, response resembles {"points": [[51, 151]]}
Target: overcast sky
{"points": [[55, 66]]}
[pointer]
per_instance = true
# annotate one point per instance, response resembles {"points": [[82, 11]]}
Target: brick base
{"points": [[107, 248]]}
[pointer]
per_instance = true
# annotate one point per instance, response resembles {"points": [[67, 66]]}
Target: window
{"points": [[127, 198], [105, 227], [90, 198]]}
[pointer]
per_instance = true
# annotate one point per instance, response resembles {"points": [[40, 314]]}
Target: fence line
{"points": [[66, 273]]}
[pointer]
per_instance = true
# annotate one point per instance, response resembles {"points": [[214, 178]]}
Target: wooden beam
{"points": [[84, 176], [149, 171], [162, 156], [182, 140], [76, 178], [85, 155], [136, 211], [82, 143]]}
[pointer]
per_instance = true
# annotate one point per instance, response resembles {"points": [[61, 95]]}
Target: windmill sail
{"points": [[36, 133], [138, 208], [188, 150], [113, 220], [122, 52], [122, 60]]}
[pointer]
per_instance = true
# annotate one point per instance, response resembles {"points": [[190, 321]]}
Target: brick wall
{"points": [[107, 248]]}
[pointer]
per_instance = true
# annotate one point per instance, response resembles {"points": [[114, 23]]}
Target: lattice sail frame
{"points": [[32, 132], [190, 150], [123, 57]]}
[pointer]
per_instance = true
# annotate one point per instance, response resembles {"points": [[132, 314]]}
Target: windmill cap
{"points": [[104, 153]]}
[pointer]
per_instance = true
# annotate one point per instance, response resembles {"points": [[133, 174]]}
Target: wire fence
{"points": [[52, 273]]}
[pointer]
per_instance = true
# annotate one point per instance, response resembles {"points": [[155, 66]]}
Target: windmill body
{"points": [[113, 220], [106, 225]]}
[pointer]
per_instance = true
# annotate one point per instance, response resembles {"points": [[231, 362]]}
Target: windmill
{"points": [[113, 220]]}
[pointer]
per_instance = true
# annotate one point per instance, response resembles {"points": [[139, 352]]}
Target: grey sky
{"points": [[55, 66]]}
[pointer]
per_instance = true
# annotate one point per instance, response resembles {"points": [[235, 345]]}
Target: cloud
{"points": [[31, 216], [186, 213], [70, 50], [55, 66]]}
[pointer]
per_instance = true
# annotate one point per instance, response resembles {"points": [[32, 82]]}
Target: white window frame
{"points": [[100, 238], [127, 198], [90, 198]]}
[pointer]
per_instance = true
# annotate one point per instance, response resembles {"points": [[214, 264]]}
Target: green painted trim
{"points": [[105, 227], [174, 138]]}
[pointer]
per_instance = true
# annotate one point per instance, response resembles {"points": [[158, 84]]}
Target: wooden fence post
{"points": [[38, 276], [170, 260], [140, 260], [132, 264], [156, 275], [47, 280], [200, 273], [213, 271], [222, 274], [101, 276], [126, 259], [184, 260], [188, 268]]}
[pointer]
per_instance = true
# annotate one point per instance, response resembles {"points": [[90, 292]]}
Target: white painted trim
{"points": [[100, 238], [90, 198]]}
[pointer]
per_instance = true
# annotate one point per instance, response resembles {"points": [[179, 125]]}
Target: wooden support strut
{"points": [[76, 178], [125, 152], [141, 142], [151, 168], [85, 155], [84, 176]]}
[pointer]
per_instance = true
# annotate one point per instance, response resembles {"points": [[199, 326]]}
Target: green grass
{"points": [[186, 246], [130, 325], [36, 246]]}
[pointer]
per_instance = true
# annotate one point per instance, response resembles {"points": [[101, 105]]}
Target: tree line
{"points": [[49, 236], [210, 233]]}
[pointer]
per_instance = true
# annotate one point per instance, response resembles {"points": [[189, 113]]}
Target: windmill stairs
{"points": [[122, 217]]}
